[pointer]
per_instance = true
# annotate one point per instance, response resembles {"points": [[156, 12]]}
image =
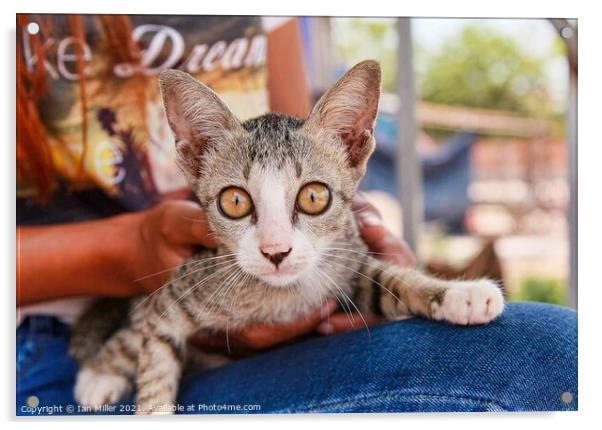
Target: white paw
{"points": [[94, 389], [470, 302]]}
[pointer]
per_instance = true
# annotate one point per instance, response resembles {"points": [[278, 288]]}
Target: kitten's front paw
{"points": [[94, 389], [470, 302]]}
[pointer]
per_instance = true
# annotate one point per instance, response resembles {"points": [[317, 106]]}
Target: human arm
{"points": [[287, 84], [108, 257]]}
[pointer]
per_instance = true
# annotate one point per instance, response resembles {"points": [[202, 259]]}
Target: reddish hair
{"points": [[34, 160]]}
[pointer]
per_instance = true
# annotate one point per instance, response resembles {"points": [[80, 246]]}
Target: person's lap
{"points": [[525, 360]]}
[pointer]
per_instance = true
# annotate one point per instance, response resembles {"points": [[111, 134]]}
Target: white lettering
{"points": [[63, 58], [193, 64], [214, 53], [162, 35], [257, 52], [233, 56], [31, 59], [166, 48]]}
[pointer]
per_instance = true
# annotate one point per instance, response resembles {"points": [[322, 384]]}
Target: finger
{"points": [[342, 322], [209, 342], [378, 238], [389, 248], [400, 250], [191, 224], [360, 202], [369, 221], [265, 336]]}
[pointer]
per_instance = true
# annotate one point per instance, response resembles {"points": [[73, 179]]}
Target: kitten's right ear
{"points": [[197, 117], [347, 112]]}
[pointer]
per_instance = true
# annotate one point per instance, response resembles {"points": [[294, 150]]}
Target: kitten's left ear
{"points": [[347, 111], [198, 118]]}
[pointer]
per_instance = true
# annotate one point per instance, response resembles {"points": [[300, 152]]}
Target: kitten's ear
{"points": [[348, 110], [197, 117]]}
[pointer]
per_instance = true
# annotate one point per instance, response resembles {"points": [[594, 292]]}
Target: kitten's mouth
{"points": [[281, 277]]}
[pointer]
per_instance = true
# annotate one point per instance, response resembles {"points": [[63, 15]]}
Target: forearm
{"points": [[88, 258]]}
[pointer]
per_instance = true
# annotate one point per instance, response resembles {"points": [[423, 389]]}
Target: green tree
{"points": [[541, 290], [357, 39], [480, 68]]}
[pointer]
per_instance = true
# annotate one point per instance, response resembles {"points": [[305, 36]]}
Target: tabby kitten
{"points": [[277, 191]]}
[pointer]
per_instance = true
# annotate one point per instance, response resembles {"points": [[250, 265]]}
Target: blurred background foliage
{"points": [[482, 69], [356, 39], [541, 290], [477, 67]]}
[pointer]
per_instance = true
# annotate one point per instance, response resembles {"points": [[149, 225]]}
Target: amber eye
{"points": [[313, 198], [235, 202]]}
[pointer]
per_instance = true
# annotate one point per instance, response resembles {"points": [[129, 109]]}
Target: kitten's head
{"points": [[276, 190]]}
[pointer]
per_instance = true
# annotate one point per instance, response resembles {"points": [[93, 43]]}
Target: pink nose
{"points": [[276, 257]]}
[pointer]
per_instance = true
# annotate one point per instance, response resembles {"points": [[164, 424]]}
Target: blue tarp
{"points": [[446, 173]]}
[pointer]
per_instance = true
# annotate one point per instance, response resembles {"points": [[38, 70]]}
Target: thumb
{"points": [[190, 224]]}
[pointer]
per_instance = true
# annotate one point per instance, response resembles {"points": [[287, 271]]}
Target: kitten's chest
{"points": [[254, 302]]}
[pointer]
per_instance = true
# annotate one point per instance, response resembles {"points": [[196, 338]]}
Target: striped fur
{"points": [[216, 291]]}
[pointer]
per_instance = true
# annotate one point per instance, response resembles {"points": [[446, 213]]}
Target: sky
{"points": [[535, 35]]}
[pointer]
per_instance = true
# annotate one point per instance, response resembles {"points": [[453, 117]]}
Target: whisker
{"points": [[223, 290], [382, 269], [346, 309], [367, 277], [362, 252], [204, 221], [224, 283], [189, 290], [315, 290], [333, 282], [189, 273], [194, 263], [354, 305], [312, 285], [357, 211], [229, 314]]}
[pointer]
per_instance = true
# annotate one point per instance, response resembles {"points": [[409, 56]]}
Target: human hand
{"points": [[163, 238], [380, 241], [260, 337]]}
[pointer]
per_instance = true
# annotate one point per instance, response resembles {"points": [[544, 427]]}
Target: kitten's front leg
{"points": [[159, 369], [397, 293]]}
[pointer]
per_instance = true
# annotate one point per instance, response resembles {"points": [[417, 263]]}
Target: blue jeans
{"points": [[524, 361]]}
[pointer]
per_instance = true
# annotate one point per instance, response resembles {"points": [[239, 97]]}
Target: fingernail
{"points": [[371, 220], [329, 307], [325, 328], [360, 198]]}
